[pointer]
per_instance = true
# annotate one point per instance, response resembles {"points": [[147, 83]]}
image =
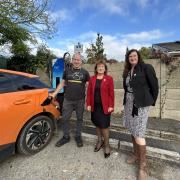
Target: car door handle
{"points": [[18, 102]]}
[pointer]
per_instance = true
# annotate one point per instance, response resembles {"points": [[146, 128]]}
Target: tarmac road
{"points": [[72, 163]]}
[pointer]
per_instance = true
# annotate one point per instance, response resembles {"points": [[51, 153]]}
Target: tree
{"points": [[23, 63], [96, 51], [12, 33], [20, 21], [44, 58], [127, 50], [22, 60], [90, 54], [146, 53], [20, 49], [25, 17]]}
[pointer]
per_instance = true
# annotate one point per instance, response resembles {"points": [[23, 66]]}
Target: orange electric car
{"points": [[27, 116]]}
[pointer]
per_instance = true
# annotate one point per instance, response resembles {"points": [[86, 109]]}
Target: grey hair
{"points": [[81, 57]]}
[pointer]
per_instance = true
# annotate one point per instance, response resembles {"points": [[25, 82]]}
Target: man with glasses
{"points": [[74, 79]]}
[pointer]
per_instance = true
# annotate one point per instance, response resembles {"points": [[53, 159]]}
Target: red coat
{"points": [[107, 93]]}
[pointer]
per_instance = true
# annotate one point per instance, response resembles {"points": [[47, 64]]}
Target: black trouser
{"points": [[68, 107], [60, 99]]}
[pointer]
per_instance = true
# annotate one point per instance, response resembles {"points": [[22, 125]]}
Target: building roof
{"points": [[169, 46]]}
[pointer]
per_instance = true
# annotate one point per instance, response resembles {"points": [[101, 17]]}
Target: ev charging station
{"points": [[57, 72], [58, 67]]}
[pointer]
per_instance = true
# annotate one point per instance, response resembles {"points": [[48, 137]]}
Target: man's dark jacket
{"points": [[144, 84]]}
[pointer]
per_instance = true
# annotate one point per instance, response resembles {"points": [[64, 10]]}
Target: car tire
{"points": [[35, 135]]}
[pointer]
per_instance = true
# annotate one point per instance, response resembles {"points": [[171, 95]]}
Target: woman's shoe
{"points": [[96, 149], [106, 155], [132, 159], [107, 152]]}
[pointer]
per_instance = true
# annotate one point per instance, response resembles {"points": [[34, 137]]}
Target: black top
{"points": [[75, 80], [144, 84], [97, 92]]}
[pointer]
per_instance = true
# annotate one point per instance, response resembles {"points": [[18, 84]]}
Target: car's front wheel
{"points": [[35, 135]]}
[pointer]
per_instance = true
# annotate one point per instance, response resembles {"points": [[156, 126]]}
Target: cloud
{"points": [[145, 35], [120, 7], [87, 36], [134, 20], [34, 46], [142, 3], [61, 15], [166, 11], [112, 6], [58, 52], [115, 46], [178, 6]]}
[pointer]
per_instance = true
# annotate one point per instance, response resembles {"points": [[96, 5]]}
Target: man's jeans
{"points": [[68, 107]]}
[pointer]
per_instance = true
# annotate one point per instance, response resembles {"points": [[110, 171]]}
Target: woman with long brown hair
{"points": [[141, 90]]}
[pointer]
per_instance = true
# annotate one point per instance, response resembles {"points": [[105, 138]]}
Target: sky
{"points": [[123, 23]]}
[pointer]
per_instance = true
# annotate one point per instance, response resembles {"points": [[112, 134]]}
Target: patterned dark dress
{"points": [[136, 124], [98, 117]]}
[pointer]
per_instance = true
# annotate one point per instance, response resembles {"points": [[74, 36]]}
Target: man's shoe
{"points": [[79, 141], [62, 141]]}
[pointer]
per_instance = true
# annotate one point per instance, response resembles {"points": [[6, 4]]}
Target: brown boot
{"points": [[133, 157], [142, 162]]}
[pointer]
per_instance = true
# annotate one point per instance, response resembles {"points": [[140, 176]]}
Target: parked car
{"points": [[27, 121]]}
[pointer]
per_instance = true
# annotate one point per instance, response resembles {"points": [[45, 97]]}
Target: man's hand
{"points": [[110, 109], [52, 95], [55, 103], [59, 87], [88, 108]]}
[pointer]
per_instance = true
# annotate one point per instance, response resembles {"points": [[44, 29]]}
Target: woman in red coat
{"points": [[100, 101]]}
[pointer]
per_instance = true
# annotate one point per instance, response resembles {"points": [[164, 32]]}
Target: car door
{"points": [[16, 106]]}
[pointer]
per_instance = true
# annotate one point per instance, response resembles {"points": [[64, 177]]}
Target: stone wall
{"points": [[168, 102], [172, 91]]}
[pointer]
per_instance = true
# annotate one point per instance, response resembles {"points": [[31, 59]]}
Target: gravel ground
{"points": [[72, 163]]}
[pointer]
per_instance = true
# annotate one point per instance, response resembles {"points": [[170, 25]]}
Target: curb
{"points": [[149, 132], [127, 147]]}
